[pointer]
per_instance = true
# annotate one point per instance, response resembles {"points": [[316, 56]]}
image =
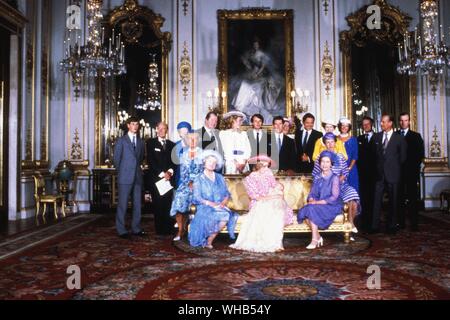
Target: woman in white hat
{"points": [[329, 126], [263, 227], [235, 143]]}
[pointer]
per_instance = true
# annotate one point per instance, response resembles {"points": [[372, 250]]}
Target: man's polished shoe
{"points": [[140, 234], [125, 236]]}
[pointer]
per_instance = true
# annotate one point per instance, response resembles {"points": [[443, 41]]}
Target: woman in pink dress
{"points": [[262, 228]]}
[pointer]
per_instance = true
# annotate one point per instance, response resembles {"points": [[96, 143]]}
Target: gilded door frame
{"points": [[132, 12], [392, 20]]}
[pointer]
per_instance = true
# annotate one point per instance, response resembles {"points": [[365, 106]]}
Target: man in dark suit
{"points": [[209, 135], [411, 173], [282, 148], [161, 166], [128, 156], [366, 172], [390, 156], [305, 140], [259, 139]]}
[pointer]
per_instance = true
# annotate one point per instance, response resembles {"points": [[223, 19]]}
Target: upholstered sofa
{"points": [[296, 190]]}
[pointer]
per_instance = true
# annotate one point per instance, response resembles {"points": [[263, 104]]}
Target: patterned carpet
{"points": [[34, 265]]}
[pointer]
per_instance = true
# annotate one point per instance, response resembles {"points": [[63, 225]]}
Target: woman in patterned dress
{"points": [[191, 166]]}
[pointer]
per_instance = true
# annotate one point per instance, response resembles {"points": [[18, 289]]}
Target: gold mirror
{"points": [[143, 90], [371, 83]]}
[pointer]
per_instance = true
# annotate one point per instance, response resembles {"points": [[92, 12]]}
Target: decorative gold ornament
{"points": [[435, 147], [394, 24], [76, 153], [185, 6], [185, 70], [325, 6], [327, 70]]}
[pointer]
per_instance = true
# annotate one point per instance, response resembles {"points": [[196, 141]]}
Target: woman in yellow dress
{"points": [[319, 147]]}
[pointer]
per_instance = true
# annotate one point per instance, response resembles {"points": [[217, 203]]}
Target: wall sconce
{"points": [[213, 100], [300, 100]]}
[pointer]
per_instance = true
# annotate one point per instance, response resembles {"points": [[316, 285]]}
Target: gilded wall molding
{"points": [[185, 70], [327, 70]]}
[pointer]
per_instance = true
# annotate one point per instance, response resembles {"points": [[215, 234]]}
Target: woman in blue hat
{"points": [[340, 168], [324, 200], [190, 166]]}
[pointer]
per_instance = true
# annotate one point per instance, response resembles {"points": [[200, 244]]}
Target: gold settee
{"points": [[296, 190]]}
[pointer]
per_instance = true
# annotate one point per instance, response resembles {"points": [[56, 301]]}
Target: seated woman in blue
{"points": [[210, 196], [324, 200], [190, 167], [348, 194]]}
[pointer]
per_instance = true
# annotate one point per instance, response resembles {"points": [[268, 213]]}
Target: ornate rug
{"points": [[412, 266]]}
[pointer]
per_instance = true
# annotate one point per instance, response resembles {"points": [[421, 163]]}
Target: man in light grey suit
{"points": [[128, 156]]}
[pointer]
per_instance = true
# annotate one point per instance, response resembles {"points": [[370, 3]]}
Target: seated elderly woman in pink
{"points": [[262, 228]]}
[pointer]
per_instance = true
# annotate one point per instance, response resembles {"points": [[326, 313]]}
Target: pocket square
{"points": [[157, 149]]}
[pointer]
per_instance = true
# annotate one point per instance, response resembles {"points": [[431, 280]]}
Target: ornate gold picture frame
{"points": [[256, 61]]}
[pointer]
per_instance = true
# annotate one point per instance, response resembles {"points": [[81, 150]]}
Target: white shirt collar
{"points": [[161, 139], [131, 135], [255, 131], [405, 130]]}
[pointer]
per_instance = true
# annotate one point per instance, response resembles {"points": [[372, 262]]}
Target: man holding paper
{"points": [[161, 176], [128, 156]]}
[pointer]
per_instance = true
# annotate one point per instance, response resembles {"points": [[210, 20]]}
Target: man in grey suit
{"points": [[128, 156]]}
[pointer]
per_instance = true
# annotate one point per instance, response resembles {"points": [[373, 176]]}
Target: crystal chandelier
{"points": [[94, 58], [149, 98], [427, 54]]}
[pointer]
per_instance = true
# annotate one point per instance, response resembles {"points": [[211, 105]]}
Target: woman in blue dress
{"points": [[340, 168], [324, 200], [190, 168], [211, 196], [351, 146]]}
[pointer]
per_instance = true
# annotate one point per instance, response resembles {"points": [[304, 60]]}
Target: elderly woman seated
{"points": [[324, 200], [210, 196]]}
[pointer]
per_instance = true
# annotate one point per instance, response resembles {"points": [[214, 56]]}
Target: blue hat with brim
{"points": [[184, 124]]}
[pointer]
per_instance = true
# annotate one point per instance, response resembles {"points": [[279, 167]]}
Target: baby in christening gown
{"points": [[262, 228]]}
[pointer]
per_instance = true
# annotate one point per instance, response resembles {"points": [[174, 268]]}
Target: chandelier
{"points": [[149, 97], [94, 58], [427, 54]]}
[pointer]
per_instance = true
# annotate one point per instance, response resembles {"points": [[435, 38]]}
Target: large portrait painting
{"points": [[255, 66]]}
